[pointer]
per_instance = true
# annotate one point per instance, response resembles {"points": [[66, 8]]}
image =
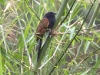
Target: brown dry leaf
{"points": [[12, 37]]}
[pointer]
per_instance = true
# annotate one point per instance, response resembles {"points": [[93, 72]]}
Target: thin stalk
{"points": [[30, 61], [94, 16], [5, 44], [62, 35], [46, 44], [1, 65], [71, 40]]}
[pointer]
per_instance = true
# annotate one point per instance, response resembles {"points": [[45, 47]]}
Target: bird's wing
{"points": [[42, 27]]}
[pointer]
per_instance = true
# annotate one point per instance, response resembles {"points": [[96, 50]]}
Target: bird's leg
{"points": [[52, 32], [49, 31]]}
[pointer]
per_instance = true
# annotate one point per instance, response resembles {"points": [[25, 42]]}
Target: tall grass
{"points": [[73, 50]]}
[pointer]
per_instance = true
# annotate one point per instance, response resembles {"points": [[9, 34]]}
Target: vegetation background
{"points": [[74, 50]]}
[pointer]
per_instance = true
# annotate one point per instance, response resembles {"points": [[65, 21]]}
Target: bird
{"points": [[47, 22]]}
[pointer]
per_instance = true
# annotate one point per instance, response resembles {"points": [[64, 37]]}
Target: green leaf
{"points": [[72, 33], [2, 2], [95, 68], [1, 69], [86, 46], [84, 73]]}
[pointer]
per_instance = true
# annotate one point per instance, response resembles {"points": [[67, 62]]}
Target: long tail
{"points": [[38, 48]]}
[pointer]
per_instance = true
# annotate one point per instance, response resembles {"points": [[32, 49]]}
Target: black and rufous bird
{"points": [[47, 22]]}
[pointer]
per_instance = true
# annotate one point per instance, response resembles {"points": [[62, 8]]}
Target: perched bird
{"points": [[47, 22]]}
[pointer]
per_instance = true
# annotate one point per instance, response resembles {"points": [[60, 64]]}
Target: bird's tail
{"points": [[38, 48]]}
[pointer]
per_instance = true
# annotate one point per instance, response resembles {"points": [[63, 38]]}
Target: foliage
{"points": [[73, 50]]}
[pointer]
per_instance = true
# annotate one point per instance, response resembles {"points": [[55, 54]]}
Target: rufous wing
{"points": [[42, 27]]}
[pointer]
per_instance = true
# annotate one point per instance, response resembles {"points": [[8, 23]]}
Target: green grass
{"points": [[75, 50]]}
